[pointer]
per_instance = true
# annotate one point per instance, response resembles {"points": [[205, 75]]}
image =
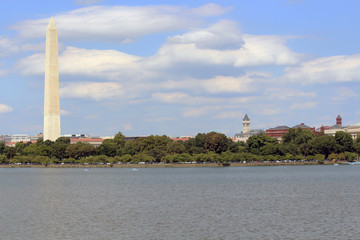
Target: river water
{"points": [[282, 202]]}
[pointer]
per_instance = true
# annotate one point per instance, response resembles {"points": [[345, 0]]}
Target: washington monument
{"points": [[51, 98]]}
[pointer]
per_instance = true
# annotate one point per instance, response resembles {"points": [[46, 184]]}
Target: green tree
{"points": [[175, 147], [80, 150], [69, 160], [19, 147], [48, 143], [59, 148], [108, 147], [9, 152], [2, 147], [257, 142], [157, 153], [270, 149], [357, 147], [237, 147], [63, 140], [333, 156], [298, 136], [351, 156], [119, 139], [320, 158], [129, 149], [291, 148], [3, 159], [126, 158], [216, 142], [324, 144], [44, 160], [196, 145], [38, 150], [344, 141], [154, 142]]}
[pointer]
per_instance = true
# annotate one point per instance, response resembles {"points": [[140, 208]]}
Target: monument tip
{"points": [[52, 24]]}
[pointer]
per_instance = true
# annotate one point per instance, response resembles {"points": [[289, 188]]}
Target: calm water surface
{"points": [[285, 202]]}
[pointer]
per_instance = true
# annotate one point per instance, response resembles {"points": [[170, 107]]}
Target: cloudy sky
{"points": [[181, 67]]}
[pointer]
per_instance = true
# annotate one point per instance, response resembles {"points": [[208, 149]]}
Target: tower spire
{"points": [[246, 124]]}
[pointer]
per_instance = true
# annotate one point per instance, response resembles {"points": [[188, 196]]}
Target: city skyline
{"points": [[180, 69]]}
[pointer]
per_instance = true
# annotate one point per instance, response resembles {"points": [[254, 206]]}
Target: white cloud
{"points": [[92, 116], [344, 93], [345, 68], [5, 108], [200, 111], [266, 50], [32, 65], [87, 2], [34, 47], [175, 97], [64, 112], [219, 110], [229, 115], [268, 110], [221, 84], [2, 72], [128, 127], [184, 98], [216, 46], [100, 63], [120, 23], [224, 34], [305, 105], [7, 47], [160, 119], [178, 59], [109, 64], [92, 90], [209, 10], [286, 93]]}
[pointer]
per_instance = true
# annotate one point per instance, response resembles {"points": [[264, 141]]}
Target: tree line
{"points": [[210, 147]]}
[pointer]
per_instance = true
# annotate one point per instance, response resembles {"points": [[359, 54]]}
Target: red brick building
{"points": [[277, 132]]}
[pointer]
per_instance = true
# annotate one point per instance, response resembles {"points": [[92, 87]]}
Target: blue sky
{"points": [[181, 67]]}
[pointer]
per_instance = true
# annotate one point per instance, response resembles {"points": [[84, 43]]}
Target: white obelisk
{"points": [[52, 96]]}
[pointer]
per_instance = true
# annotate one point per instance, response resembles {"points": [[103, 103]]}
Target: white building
{"points": [[353, 129], [246, 130], [20, 138]]}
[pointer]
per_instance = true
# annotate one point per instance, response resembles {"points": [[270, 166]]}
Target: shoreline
{"points": [[168, 165]]}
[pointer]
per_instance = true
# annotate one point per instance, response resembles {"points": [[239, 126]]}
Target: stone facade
{"points": [[51, 96]]}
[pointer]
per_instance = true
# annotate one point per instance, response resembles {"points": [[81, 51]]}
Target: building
{"points": [[353, 129], [246, 123], [279, 131], [246, 132], [20, 138], [92, 141], [335, 128], [76, 136]]}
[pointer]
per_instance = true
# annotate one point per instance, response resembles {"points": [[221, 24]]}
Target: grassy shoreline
{"points": [[167, 165]]}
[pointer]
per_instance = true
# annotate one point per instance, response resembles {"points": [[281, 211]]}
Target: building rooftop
{"points": [[336, 127], [301, 125], [279, 128], [246, 118]]}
